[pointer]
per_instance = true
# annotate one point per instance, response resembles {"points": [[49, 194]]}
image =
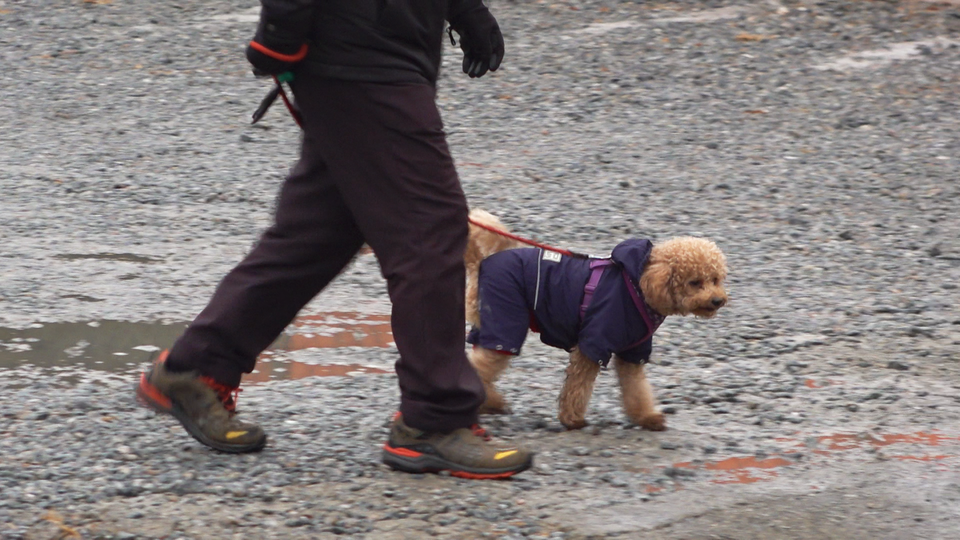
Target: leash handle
{"points": [[529, 242], [265, 104]]}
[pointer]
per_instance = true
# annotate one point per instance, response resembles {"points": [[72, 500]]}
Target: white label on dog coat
{"points": [[552, 256]]}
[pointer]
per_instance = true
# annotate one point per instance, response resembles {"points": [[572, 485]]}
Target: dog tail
{"points": [[481, 244]]}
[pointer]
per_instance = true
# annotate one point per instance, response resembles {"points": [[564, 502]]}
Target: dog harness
{"points": [[652, 319]]}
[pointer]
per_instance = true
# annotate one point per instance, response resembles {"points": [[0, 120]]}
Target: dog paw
{"points": [[491, 409], [494, 404], [654, 422], [573, 424]]}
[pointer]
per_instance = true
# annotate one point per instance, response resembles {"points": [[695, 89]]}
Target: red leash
{"points": [[286, 101], [529, 242]]}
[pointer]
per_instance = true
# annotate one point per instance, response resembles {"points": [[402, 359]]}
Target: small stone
{"points": [[677, 472], [853, 407], [898, 365], [709, 449], [666, 445]]}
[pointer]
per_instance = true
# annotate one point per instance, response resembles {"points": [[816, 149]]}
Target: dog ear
{"points": [[655, 282]]}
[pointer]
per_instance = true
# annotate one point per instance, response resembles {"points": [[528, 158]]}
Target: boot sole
{"points": [[153, 399], [409, 461]]}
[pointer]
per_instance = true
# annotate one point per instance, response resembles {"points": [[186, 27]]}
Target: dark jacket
{"points": [[369, 40]]}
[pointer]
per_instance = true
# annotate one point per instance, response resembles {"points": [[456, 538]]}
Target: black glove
{"points": [[480, 40], [277, 48]]}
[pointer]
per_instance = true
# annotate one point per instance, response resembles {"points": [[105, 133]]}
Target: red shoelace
{"points": [[228, 396], [480, 432]]}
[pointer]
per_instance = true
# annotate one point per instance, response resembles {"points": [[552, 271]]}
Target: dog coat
{"points": [[545, 292]]}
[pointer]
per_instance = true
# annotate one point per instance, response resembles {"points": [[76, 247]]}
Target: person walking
{"points": [[374, 168]]}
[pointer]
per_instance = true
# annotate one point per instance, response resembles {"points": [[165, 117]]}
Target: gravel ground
{"points": [[816, 142]]}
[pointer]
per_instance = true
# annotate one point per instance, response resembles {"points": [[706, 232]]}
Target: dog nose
{"points": [[719, 302]]}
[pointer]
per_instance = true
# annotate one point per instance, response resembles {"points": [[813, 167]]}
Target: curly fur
{"points": [[684, 276], [482, 244]]}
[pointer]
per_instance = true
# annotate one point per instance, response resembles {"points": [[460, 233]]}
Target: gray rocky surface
{"points": [[816, 142]]}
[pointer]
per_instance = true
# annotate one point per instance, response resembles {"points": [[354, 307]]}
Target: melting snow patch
{"points": [[882, 57], [603, 28], [707, 15]]}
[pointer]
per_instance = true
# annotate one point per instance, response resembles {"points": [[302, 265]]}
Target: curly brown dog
{"points": [[594, 308]]}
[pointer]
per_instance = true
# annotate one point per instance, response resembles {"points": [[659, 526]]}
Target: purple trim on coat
{"points": [[597, 267], [651, 317]]}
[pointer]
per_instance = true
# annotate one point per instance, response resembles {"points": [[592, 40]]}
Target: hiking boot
{"points": [[206, 408], [466, 453]]}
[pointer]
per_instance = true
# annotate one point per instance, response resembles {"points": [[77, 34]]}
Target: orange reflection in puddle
{"points": [[749, 469], [810, 383], [844, 442], [271, 371], [332, 330], [921, 458], [323, 331], [840, 442], [741, 470]]}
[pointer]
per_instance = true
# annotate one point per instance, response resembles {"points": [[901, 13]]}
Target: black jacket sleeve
{"points": [[458, 8], [287, 20]]}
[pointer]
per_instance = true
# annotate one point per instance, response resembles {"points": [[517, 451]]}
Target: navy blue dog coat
{"points": [[594, 304]]}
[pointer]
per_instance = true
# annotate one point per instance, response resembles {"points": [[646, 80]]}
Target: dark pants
{"points": [[374, 168]]}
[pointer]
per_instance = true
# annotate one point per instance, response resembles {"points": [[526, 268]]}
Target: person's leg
{"points": [[313, 238], [389, 155]]}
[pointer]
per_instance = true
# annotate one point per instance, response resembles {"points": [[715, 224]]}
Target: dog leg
{"points": [[577, 389], [638, 401], [489, 365]]}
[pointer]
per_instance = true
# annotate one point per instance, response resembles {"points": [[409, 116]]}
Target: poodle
{"points": [[593, 308]]}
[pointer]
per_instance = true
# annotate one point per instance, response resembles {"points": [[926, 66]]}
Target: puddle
{"points": [[122, 347], [101, 345]]}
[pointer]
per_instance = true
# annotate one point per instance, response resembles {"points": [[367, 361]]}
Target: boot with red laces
{"points": [[206, 408]]}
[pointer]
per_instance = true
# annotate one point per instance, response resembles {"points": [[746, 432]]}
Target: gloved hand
{"points": [[276, 49], [480, 40]]}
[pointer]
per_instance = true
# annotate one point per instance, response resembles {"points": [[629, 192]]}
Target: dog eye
{"points": [[696, 283]]}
